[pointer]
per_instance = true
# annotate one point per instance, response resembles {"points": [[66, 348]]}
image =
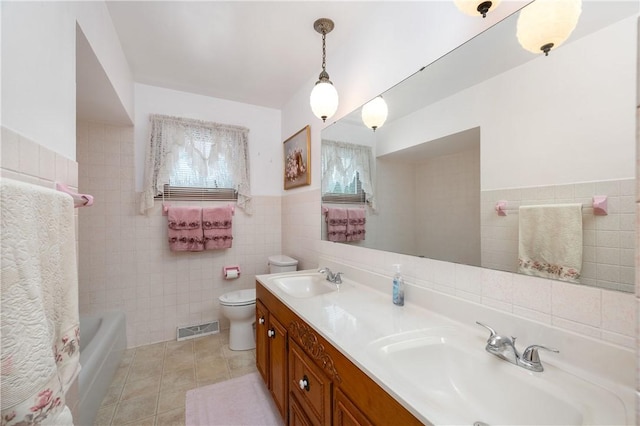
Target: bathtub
{"points": [[103, 339]]}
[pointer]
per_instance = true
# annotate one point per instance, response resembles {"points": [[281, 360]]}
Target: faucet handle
{"points": [[530, 358], [493, 332], [531, 353]]}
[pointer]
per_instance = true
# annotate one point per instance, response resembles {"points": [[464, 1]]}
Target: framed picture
{"points": [[297, 159]]}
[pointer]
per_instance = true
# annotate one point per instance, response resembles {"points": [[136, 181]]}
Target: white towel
{"points": [[39, 289], [550, 241]]}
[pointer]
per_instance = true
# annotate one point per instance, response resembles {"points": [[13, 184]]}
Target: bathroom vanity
{"points": [[346, 355], [311, 381]]}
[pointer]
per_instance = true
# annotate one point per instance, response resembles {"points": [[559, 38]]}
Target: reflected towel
{"points": [[550, 241], [337, 220], [39, 304], [217, 225], [185, 231], [356, 224]]}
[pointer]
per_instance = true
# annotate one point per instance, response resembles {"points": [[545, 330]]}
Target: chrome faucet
{"points": [[331, 277], [505, 348]]}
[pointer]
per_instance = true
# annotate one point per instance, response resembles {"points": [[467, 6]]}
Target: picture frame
{"points": [[297, 159]]}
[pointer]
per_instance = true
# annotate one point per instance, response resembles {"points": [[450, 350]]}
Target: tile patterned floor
{"points": [[151, 383]]}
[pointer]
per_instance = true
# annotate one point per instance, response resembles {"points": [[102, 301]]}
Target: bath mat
{"points": [[244, 400]]}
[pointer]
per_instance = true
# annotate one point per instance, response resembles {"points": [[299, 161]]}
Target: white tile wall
{"points": [[25, 160], [125, 262], [607, 240]]}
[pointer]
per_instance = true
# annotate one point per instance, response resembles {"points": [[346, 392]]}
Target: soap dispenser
{"points": [[398, 287]]}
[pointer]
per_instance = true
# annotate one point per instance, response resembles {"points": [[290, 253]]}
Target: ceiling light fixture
{"points": [[324, 97], [546, 24], [475, 7], [374, 113]]}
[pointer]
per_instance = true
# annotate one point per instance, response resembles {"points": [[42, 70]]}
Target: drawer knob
{"points": [[304, 383], [261, 320], [271, 333]]}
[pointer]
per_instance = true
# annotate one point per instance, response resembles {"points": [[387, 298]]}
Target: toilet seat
{"points": [[238, 298]]}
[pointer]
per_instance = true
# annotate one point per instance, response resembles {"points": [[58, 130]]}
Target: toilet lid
{"points": [[238, 297]]}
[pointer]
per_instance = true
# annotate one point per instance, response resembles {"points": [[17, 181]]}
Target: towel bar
{"points": [[79, 200], [598, 204]]}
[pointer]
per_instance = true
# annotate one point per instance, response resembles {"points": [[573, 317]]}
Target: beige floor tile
{"points": [[238, 362], [145, 371], [113, 394], [139, 388], [179, 348], [211, 368], [105, 415], [171, 418], [149, 421], [150, 351], [178, 361], [237, 372], [178, 380], [212, 381], [135, 409], [207, 342], [170, 400]]}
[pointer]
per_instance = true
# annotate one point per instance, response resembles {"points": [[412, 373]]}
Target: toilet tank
{"points": [[281, 263]]}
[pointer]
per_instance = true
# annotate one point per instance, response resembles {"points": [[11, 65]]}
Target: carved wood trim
{"points": [[309, 341]]}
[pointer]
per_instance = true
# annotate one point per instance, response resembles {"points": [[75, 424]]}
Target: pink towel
{"points": [[356, 224], [185, 231], [217, 225], [337, 224]]}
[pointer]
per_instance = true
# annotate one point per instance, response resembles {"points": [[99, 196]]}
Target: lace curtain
{"points": [[341, 161], [216, 155]]}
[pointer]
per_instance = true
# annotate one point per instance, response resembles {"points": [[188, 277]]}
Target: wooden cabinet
{"points": [[309, 386], [346, 413], [311, 381], [271, 356]]}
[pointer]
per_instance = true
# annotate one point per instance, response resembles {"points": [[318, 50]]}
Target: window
{"points": [[196, 160], [346, 173]]}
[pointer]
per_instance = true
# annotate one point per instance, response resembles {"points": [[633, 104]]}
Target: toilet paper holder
{"points": [[231, 272]]}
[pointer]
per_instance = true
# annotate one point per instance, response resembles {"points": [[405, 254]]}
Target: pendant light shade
{"points": [[374, 113], [476, 7], [324, 97], [546, 24]]}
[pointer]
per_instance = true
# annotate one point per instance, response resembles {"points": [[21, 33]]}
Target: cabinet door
{"points": [[309, 385], [297, 417], [346, 413], [262, 344], [278, 364]]}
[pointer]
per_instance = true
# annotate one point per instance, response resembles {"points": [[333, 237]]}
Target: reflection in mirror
{"points": [[490, 122]]}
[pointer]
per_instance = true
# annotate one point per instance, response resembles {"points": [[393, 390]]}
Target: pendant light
{"points": [[374, 113], [475, 7], [324, 97], [546, 24]]}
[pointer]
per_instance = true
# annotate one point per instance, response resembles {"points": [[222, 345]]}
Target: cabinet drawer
{"points": [[311, 387]]}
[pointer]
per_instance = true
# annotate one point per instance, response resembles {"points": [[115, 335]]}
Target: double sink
{"points": [[444, 374]]}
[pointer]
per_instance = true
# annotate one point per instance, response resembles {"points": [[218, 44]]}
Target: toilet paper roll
{"points": [[231, 274]]}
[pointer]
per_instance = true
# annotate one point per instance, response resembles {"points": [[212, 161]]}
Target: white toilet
{"points": [[240, 308], [281, 263]]}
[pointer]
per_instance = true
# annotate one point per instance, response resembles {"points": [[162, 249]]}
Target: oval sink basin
{"points": [[302, 286], [468, 385]]}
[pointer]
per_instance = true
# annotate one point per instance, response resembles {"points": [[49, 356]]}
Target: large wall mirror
{"points": [[492, 122]]}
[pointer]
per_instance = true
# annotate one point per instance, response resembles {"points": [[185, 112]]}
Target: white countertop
{"points": [[356, 316]]}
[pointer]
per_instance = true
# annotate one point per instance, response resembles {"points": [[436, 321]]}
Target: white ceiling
{"points": [[255, 52]]}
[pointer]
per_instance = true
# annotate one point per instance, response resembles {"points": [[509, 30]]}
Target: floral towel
{"points": [[39, 292], [356, 224], [550, 241], [217, 226], [185, 229], [337, 224]]}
